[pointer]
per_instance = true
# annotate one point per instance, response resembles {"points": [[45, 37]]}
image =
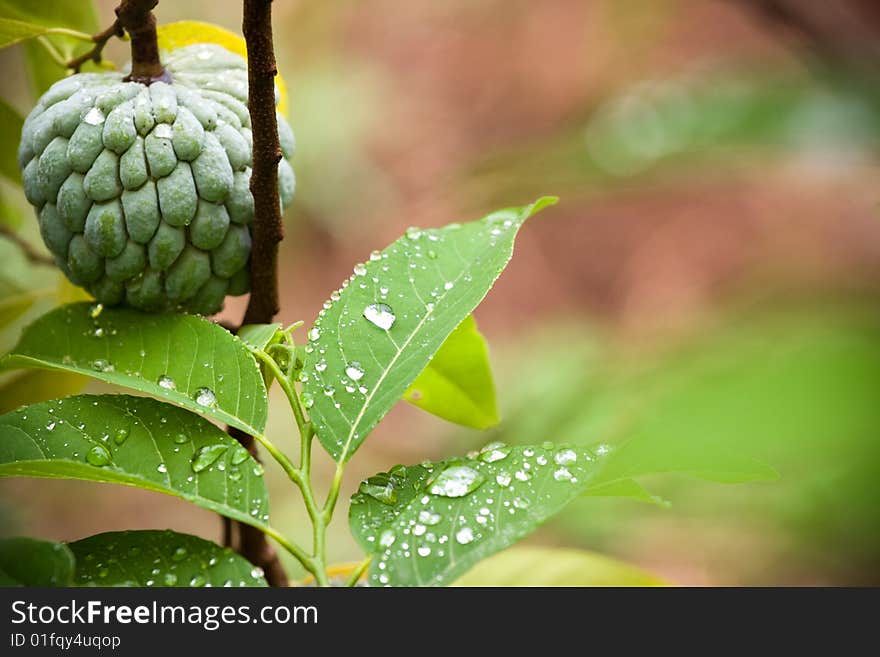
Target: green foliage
{"points": [[181, 358], [10, 129], [427, 524], [531, 566], [32, 562], [139, 442], [457, 383], [13, 31], [381, 329], [42, 68], [159, 558]]}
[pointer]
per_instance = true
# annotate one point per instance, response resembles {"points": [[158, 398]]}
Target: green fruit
{"points": [[142, 192]]}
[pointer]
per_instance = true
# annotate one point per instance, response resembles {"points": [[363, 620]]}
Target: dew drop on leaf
{"points": [[121, 435], [464, 535], [360, 269], [206, 456], [381, 315], [205, 397], [98, 455], [239, 455], [167, 382], [354, 371], [565, 457], [456, 481], [387, 538], [493, 452]]}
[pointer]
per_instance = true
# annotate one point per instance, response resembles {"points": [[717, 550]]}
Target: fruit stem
{"points": [[136, 17]]}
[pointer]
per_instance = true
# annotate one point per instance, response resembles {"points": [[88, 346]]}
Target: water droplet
{"points": [[170, 579], [562, 474], [419, 530], [162, 468], [520, 503], [456, 481], [448, 285], [413, 232], [239, 455], [314, 334], [493, 452], [380, 487], [121, 435], [375, 255], [464, 535], [522, 475], [321, 365], [179, 554], [354, 371], [602, 450], [381, 315], [429, 517], [206, 456], [205, 397], [198, 580], [101, 365], [424, 551], [387, 538], [565, 457], [307, 400], [329, 390], [360, 269], [50, 426], [96, 310], [98, 455], [167, 382], [503, 479], [94, 116]]}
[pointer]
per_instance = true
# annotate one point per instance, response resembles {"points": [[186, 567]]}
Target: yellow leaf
{"points": [[185, 33]]}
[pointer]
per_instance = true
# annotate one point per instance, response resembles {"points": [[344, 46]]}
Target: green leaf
{"points": [[258, 336], [457, 384], [394, 315], [34, 562], [184, 359], [427, 524], [13, 31], [135, 441], [159, 558], [628, 488], [536, 566], [10, 134], [79, 15]]}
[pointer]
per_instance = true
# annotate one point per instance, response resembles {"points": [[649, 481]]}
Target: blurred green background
{"points": [[708, 286]]}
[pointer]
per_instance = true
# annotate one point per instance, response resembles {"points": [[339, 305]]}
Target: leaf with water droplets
{"points": [[394, 315], [162, 448], [175, 357], [457, 384], [159, 558], [537, 566], [35, 562], [442, 518]]}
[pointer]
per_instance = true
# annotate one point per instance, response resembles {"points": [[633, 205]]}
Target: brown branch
{"points": [[29, 251], [136, 17], [266, 229], [100, 39]]}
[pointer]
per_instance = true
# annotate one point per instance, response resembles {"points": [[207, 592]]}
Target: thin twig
{"points": [[100, 40], [29, 251]]}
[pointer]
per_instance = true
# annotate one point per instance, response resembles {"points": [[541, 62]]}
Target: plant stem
{"points": [[136, 17], [52, 51], [358, 571]]}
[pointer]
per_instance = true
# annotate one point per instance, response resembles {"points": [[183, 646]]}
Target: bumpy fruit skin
{"points": [[142, 192]]}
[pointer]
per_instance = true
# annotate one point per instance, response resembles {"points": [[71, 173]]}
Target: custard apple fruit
{"points": [[142, 192]]}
